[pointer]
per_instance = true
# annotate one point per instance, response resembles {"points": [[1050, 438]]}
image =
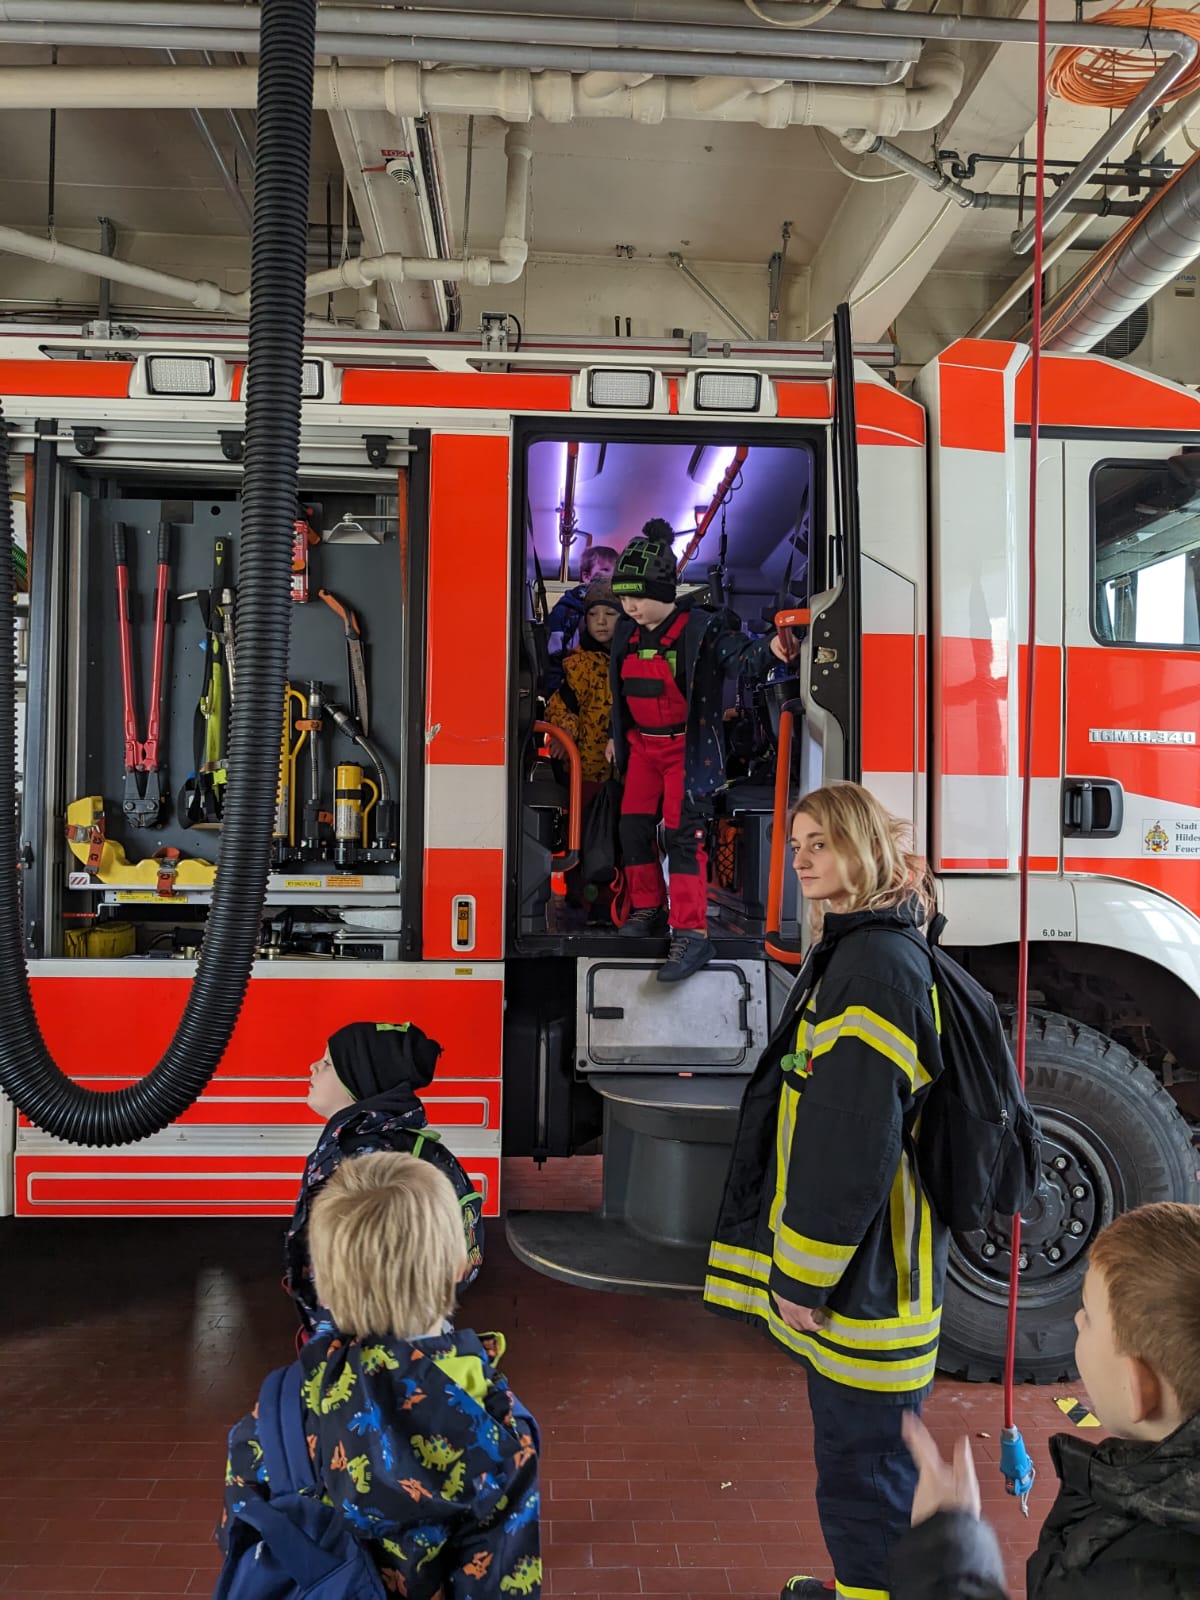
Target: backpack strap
{"points": [[281, 1432]]}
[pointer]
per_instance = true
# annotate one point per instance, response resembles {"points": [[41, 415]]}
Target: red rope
{"points": [[1035, 387]]}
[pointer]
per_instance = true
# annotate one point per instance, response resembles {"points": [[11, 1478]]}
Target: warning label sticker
{"points": [[1171, 836]]}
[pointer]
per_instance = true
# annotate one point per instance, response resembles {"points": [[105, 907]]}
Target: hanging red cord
{"points": [[1035, 375]]}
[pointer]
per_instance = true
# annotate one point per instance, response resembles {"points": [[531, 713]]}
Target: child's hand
{"points": [[610, 752], [781, 649], [940, 1487]]}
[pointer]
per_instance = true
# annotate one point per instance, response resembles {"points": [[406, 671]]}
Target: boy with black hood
{"points": [[668, 660], [365, 1086], [1126, 1524]]}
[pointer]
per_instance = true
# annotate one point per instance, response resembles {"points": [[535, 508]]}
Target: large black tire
{"points": [[1113, 1139]]}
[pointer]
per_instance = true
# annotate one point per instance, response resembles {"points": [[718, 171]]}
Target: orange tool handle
{"points": [[791, 955], [575, 802], [349, 620]]}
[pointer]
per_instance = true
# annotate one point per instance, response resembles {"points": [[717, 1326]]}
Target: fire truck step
{"points": [[592, 1251]]}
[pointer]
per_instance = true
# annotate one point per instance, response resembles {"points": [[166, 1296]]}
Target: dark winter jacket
{"points": [[429, 1456], [713, 648], [821, 1206], [1125, 1526], [562, 633], [393, 1121]]}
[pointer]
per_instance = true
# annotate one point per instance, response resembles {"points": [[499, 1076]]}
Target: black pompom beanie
{"points": [[371, 1058]]}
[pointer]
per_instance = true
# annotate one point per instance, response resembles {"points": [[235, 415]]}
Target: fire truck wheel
{"points": [[1113, 1138]]}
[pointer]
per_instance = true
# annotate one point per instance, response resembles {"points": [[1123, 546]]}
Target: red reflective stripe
{"points": [[973, 687], [473, 391], [97, 380]]}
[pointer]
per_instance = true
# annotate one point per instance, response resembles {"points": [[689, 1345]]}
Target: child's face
{"points": [[601, 620], [327, 1094], [1116, 1384], [647, 613], [601, 567]]}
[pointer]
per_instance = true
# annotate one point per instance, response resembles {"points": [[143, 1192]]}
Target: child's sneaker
{"points": [[647, 922], [689, 952]]}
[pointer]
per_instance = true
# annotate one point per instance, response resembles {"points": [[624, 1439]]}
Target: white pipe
{"points": [[406, 89], [359, 272], [205, 296]]}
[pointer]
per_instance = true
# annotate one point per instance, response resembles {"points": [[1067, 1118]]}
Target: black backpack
{"points": [[978, 1144]]}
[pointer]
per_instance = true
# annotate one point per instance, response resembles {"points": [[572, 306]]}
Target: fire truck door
{"points": [[1131, 795]]}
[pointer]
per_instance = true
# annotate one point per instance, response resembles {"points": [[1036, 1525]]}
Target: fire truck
{"points": [[427, 821]]}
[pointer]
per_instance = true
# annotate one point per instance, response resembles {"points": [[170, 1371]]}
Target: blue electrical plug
{"points": [[1017, 1466]]}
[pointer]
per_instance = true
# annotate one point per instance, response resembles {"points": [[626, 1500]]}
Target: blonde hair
{"points": [[878, 870], [1150, 1262], [386, 1241]]}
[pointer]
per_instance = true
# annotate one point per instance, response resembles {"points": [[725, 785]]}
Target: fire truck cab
{"points": [[447, 494]]}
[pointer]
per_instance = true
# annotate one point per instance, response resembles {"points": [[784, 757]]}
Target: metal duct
{"points": [[1150, 250]]}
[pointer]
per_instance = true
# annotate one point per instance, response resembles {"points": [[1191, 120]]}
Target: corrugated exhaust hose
{"points": [[28, 1074]]}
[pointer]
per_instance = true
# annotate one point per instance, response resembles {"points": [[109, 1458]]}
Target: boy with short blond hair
{"points": [[1126, 1524], [413, 1435]]}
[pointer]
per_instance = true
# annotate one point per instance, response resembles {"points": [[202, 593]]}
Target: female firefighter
{"points": [[825, 1237]]}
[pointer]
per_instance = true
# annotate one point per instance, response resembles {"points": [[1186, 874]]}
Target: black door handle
{"points": [[1093, 808]]}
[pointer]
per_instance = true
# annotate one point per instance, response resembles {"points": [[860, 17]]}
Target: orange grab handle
{"points": [[575, 803], [773, 939]]}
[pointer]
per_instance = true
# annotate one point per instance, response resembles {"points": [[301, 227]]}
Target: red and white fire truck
{"points": [[448, 492]]}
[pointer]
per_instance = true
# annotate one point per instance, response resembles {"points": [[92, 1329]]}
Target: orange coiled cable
{"points": [[1089, 75]]}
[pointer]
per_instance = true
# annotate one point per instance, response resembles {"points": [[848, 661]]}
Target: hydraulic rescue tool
{"points": [[385, 842], [145, 768], [311, 841], [350, 814], [202, 798], [355, 665], [284, 841]]}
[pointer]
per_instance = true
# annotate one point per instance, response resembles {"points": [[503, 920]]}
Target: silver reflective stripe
{"points": [[811, 1268]]}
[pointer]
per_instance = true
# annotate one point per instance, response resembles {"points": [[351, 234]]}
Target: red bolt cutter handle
{"points": [[149, 751], [132, 745]]}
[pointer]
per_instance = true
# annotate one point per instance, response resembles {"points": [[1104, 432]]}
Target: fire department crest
{"points": [[1158, 840]]}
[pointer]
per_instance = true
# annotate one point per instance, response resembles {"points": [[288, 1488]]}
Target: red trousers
{"points": [[654, 788]]}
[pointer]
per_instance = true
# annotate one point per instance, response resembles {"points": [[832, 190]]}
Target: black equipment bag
{"points": [[600, 850], [978, 1143]]}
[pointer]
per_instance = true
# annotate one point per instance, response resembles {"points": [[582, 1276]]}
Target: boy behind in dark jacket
{"points": [[1126, 1522], [412, 1432]]}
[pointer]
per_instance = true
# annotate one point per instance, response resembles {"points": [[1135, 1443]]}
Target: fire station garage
{"points": [[600, 772]]}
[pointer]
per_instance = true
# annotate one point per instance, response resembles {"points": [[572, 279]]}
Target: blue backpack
{"points": [[293, 1546]]}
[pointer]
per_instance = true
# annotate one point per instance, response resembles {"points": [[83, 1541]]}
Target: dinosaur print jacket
{"points": [[430, 1456]]}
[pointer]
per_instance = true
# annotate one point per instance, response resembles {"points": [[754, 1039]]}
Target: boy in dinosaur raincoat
{"points": [[412, 1431]]}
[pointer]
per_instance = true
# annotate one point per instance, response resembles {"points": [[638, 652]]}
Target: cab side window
{"points": [[1146, 552]]}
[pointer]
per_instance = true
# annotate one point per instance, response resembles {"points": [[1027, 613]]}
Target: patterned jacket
{"points": [[714, 648], [822, 1206], [582, 707], [394, 1121], [430, 1457]]}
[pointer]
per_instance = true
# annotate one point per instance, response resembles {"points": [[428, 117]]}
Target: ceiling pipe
{"points": [[405, 90], [201, 294], [546, 57], [1157, 137], [599, 32], [359, 272], [1148, 252], [865, 144]]}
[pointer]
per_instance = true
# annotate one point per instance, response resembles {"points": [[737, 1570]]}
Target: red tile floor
{"points": [[677, 1447]]}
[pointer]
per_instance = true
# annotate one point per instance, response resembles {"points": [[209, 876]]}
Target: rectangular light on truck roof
{"points": [[621, 388], [727, 391], [195, 375]]}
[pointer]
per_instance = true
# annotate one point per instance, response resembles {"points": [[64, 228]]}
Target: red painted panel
{"points": [[881, 409], [282, 1029], [467, 629], [179, 1186], [971, 408], [974, 709], [984, 354], [98, 380], [1085, 392], [889, 702], [804, 397], [1111, 687], [472, 391], [1175, 876], [454, 872]]}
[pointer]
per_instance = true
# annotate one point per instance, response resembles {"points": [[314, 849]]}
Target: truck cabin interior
{"points": [[755, 505]]}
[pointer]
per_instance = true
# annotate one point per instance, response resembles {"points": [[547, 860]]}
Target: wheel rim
{"points": [[1080, 1192]]}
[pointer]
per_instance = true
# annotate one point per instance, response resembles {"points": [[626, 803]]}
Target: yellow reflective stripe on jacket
{"points": [[810, 1261], [900, 1374], [785, 1127], [860, 1022], [846, 1591]]}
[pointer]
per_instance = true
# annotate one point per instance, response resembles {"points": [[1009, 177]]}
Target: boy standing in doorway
{"points": [[668, 662]]}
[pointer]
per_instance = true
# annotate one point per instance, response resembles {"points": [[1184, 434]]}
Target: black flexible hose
{"points": [[28, 1074]]}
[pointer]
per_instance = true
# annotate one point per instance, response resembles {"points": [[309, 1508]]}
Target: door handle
{"points": [[1093, 808]]}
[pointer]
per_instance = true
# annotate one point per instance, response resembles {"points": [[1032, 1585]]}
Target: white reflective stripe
{"points": [[897, 1335], [858, 1022], [748, 1262], [465, 807]]}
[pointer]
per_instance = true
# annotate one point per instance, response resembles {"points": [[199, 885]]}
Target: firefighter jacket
{"points": [[582, 706], [427, 1453], [713, 648], [822, 1205]]}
